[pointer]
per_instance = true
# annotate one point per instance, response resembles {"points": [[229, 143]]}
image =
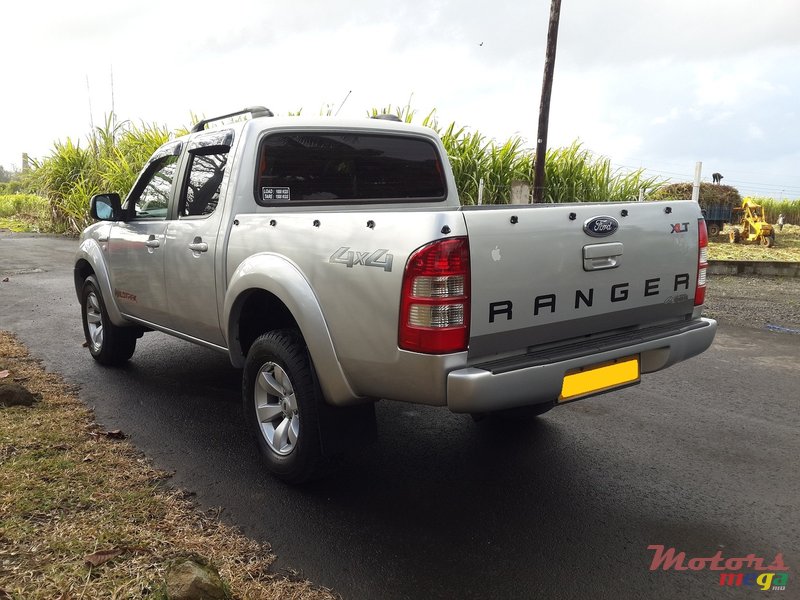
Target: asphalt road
{"points": [[702, 457]]}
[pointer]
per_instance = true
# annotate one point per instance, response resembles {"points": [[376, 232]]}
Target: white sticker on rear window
{"points": [[271, 194]]}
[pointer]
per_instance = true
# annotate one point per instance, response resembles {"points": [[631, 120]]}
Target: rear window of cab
{"points": [[321, 167]]}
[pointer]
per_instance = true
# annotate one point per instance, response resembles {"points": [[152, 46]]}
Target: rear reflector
{"points": [[434, 304], [702, 263]]}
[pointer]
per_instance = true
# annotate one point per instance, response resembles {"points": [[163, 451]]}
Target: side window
{"points": [[200, 194], [152, 202]]}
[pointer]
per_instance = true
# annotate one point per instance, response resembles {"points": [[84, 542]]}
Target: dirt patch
{"points": [[771, 303]]}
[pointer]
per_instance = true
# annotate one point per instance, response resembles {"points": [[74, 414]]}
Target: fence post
{"points": [[520, 192], [698, 168]]}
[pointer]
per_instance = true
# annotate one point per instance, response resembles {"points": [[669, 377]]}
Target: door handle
{"points": [[152, 242], [198, 245]]}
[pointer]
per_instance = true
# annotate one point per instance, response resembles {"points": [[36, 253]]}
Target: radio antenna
{"points": [[343, 101], [89, 94], [113, 113]]}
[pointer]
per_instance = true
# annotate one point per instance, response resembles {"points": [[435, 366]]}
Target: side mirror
{"points": [[106, 207]]}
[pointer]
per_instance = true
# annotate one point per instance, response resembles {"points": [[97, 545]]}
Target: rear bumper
{"points": [[486, 388]]}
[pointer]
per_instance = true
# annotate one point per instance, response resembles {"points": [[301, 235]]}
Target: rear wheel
{"points": [[282, 404], [713, 229], [734, 236], [108, 344]]}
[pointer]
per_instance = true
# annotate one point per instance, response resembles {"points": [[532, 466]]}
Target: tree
{"points": [[6, 176]]}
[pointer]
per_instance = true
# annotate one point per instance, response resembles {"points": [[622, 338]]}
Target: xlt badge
{"points": [[600, 226]]}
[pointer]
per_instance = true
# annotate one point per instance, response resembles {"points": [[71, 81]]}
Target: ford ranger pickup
{"points": [[332, 261]]}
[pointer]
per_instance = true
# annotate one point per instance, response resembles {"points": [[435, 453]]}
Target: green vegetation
{"points": [[109, 162], [23, 212], [112, 156], [772, 208], [474, 158], [572, 174], [10, 182]]}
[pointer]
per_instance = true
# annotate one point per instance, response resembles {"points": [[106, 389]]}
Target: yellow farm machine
{"points": [[752, 226]]}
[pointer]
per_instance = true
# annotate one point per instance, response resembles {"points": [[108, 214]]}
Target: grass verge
{"points": [[787, 247], [69, 490], [24, 213]]}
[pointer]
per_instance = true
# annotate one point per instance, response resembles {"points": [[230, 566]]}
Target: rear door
{"points": [[192, 239], [136, 246], [548, 273]]}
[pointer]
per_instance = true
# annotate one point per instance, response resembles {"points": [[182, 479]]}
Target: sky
{"points": [[653, 85]]}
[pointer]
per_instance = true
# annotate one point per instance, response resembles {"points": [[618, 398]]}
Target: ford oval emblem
{"points": [[600, 226]]}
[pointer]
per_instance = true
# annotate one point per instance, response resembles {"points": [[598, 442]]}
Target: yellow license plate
{"points": [[600, 378]]}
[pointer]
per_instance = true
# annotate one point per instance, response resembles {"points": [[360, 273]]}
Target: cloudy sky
{"points": [[658, 85]]}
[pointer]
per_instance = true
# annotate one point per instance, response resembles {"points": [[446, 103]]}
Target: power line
{"points": [[686, 173], [673, 163], [769, 185], [791, 189]]}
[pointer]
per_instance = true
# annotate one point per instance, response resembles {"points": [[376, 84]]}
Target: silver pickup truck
{"points": [[333, 261]]}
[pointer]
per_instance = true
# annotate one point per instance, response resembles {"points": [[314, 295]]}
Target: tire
{"points": [[713, 229], [282, 403], [734, 236], [108, 344], [768, 241]]}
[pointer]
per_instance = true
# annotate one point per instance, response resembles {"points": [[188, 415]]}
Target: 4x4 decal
{"points": [[378, 258]]}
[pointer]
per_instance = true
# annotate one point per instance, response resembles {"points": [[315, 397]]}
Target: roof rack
{"points": [[387, 118], [255, 111]]}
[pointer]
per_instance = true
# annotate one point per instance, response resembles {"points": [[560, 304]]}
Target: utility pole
{"points": [[544, 105]]}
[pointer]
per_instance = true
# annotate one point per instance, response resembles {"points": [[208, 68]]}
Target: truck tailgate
{"points": [[548, 273]]}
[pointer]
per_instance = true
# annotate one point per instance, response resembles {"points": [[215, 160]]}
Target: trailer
{"points": [[716, 216]]}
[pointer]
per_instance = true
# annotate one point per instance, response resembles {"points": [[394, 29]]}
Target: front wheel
{"points": [[108, 344], [713, 229], [281, 405]]}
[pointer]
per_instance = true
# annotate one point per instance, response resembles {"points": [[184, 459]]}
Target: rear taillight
{"points": [[434, 306], [702, 263]]}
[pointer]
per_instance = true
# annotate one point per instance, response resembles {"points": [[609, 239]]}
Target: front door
{"points": [[136, 246]]}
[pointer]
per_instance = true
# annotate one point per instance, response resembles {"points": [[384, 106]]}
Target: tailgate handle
{"points": [[597, 257]]}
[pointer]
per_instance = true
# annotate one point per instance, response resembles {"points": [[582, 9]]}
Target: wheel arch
{"points": [[90, 260], [268, 292]]}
